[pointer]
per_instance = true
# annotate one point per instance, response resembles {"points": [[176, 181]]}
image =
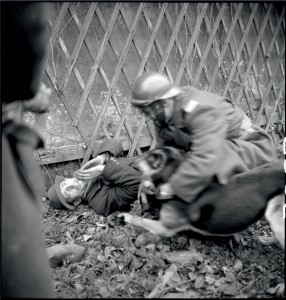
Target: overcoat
{"points": [[25, 269], [117, 187], [218, 139]]}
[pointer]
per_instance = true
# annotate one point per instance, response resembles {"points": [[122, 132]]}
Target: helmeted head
{"points": [[150, 92], [151, 87]]}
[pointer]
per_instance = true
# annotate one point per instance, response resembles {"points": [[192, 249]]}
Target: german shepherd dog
{"points": [[219, 210]]}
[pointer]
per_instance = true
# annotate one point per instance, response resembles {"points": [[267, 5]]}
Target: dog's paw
{"points": [[127, 217]]}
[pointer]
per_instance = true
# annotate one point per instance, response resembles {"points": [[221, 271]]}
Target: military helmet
{"points": [[151, 87]]}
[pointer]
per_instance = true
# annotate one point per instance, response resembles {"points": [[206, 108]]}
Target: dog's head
{"points": [[158, 165]]}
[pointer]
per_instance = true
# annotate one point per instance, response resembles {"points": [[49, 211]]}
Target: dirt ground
{"points": [[123, 261]]}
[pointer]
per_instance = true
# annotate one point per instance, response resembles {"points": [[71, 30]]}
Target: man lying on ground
{"points": [[108, 183]]}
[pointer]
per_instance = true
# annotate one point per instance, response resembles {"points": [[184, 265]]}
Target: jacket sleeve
{"points": [[122, 188], [207, 129]]}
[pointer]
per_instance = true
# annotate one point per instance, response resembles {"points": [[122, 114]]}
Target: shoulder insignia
{"points": [[191, 105]]}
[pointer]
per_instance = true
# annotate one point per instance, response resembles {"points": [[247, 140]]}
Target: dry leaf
{"points": [[75, 276], [90, 230], [59, 253], [86, 237], [183, 257], [120, 240], [71, 219], [79, 288], [69, 238], [192, 276], [209, 279], [108, 250], [100, 257], [237, 265], [188, 294], [146, 238], [199, 283], [165, 279], [228, 290]]}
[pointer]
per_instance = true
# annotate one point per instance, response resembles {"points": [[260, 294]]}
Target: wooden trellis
{"points": [[98, 49]]}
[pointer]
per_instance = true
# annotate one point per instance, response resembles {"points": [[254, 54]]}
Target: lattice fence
{"points": [[97, 50]]}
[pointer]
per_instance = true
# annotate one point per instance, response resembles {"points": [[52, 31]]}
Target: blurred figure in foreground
{"points": [[24, 41]]}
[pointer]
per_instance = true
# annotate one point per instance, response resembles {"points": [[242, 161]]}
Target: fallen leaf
{"points": [[150, 247], [75, 276], [71, 219], [209, 279], [280, 289], [86, 214], [271, 291], [241, 296], [136, 263], [90, 230], [59, 253], [101, 224], [183, 257], [192, 276], [199, 283], [189, 294], [69, 238], [219, 281], [79, 288], [101, 257], [108, 250], [230, 277], [228, 290], [163, 248], [237, 265], [165, 279], [86, 237], [120, 240], [103, 291], [146, 238]]}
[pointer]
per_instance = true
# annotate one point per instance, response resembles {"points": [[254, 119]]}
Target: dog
{"points": [[219, 210]]}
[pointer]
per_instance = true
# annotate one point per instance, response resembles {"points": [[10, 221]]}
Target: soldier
{"points": [[24, 36], [219, 140]]}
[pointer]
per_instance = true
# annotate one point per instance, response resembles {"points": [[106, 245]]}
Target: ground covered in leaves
{"points": [[124, 261]]}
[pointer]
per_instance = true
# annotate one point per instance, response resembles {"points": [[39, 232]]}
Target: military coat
{"points": [[218, 139]]}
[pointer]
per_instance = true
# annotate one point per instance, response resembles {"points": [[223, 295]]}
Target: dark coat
{"points": [[25, 269], [117, 188], [218, 138]]}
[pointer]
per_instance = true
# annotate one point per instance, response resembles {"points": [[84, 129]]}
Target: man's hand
{"points": [[89, 174], [165, 191], [147, 187], [40, 103], [92, 169], [99, 160]]}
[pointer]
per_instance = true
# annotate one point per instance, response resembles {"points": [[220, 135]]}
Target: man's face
{"points": [[72, 188], [155, 111], [159, 111]]}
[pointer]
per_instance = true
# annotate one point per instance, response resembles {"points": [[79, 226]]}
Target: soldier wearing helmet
{"points": [[219, 140]]}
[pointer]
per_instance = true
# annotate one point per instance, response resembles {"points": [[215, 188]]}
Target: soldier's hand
{"points": [[147, 187], [40, 103], [165, 191]]}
